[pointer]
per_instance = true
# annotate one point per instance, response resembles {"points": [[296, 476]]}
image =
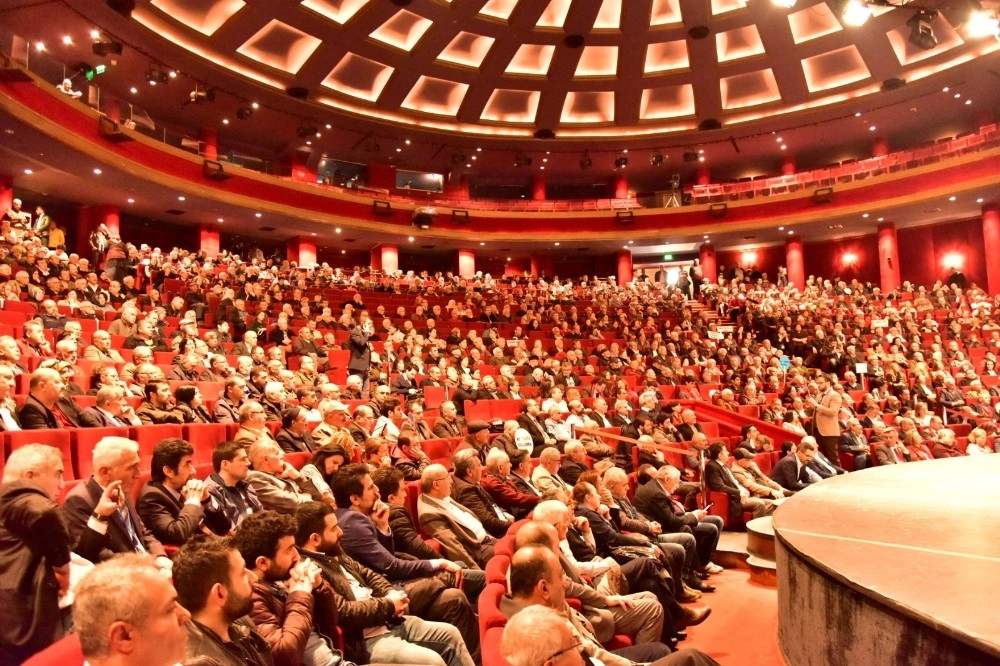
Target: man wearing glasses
{"points": [[461, 535]]}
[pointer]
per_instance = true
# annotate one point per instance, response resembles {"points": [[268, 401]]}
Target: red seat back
{"points": [[82, 443]]}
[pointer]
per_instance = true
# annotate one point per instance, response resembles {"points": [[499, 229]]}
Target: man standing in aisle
{"points": [[826, 417]]}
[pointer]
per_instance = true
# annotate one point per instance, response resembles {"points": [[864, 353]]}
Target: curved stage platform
{"points": [[893, 565]]}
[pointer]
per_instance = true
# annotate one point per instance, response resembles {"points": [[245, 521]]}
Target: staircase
{"points": [[760, 549]]}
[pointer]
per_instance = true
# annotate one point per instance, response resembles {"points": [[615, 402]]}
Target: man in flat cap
{"points": [[477, 438]]}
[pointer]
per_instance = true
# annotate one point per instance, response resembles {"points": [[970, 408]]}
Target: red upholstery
{"points": [[496, 570], [489, 608], [59, 439], [65, 652], [490, 642], [82, 444], [149, 436], [204, 437]]}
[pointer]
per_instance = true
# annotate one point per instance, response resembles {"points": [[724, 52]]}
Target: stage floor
{"points": [[919, 540]]}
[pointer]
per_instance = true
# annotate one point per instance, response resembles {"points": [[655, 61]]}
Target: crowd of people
{"points": [[322, 561]]}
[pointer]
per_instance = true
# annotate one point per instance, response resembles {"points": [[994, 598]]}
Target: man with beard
{"points": [[290, 598], [373, 616], [367, 537], [215, 586]]}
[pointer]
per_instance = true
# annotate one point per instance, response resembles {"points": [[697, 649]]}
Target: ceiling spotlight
{"points": [[786, 4], [155, 75], [522, 160], [982, 23], [198, 96], [244, 112], [67, 40], [585, 161], [656, 160], [921, 31], [621, 162], [855, 13]]}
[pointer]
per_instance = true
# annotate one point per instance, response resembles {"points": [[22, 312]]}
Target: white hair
{"points": [[36, 458], [532, 636], [109, 451], [550, 511]]}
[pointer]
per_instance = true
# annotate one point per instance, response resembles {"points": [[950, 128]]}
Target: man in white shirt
{"points": [[8, 409], [462, 536]]}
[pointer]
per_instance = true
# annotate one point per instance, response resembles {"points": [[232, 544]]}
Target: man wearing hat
{"points": [[335, 415], [16, 216], [477, 438], [750, 477]]}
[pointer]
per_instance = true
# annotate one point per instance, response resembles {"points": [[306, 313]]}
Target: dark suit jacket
{"points": [[605, 534], [536, 430], [445, 430], [289, 443], [716, 479], [405, 538], [102, 419], [786, 473], [654, 503], [173, 522], [81, 418], [36, 416], [687, 431], [478, 501], [225, 412], [91, 545], [361, 353], [375, 550], [570, 471], [515, 501]]}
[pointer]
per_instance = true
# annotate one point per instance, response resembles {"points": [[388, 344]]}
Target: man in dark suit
{"points": [[174, 504], [528, 419], [653, 500], [99, 514], [44, 390], [467, 491], [111, 410], [689, 425], [719, 478], [792, 471], [294, 436], [488, 390], [460, 533], [853, 441], [364, 519], [361, 352]]}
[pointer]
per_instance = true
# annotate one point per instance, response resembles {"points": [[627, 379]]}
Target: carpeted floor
{"points": [[743, 627]]}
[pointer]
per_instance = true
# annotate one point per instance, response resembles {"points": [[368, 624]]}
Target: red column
{"points": [[880, 147], [619, 186], [209, 138], [541, 264], [538, 187], [702, 176], [888, 256], [706, 258], [623, 261], [991, 243], [85, 224], [208, 241], [793, 261], [109, 217], [6, 193], [466, 263], [390, 258], [376, 258], [301, 250], [787, 165]]}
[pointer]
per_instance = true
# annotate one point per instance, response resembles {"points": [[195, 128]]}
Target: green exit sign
{"points": [[668, 257], [100, 69]]}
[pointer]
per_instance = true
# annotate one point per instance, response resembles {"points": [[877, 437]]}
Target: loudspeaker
{"points": [[381, 208], [111, 131], [823, 195], [718, 211], [213, 171], [460, 216], [624, 218]]}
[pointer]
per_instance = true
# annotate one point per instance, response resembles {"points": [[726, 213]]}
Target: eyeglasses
{"points": [[577, 646]]}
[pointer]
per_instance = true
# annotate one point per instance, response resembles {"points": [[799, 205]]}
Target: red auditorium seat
{"points": [[489, 608], [149, 436], [204, 437], [496, 570], [433, 397], [59, 439], [82, 443], [490, 642]]}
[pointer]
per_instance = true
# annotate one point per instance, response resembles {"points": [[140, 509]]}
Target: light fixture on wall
{"points": [[849, 260]]}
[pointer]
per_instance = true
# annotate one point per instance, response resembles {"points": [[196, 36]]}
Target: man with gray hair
{"points": [[335, 415], [278, 485], [35, 549], [100, 515], [498, 483], [126, 614], [460, 533], [468, 491]]}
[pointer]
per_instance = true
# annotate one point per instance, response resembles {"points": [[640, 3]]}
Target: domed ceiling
{"points": [[575, 68]]}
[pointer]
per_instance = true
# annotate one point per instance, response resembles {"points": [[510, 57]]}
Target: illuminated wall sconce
{"points": [[954, 260], [849, 260], [749, 258]]}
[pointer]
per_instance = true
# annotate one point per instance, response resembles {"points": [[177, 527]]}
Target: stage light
{"points": [[982, 23], [106, 47], [244, 113], [921, 31], [621, 162], [201, 97], [155, 75], [307, 129], [521, 160], [656, 160], [855, 13], [585, 161]]}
